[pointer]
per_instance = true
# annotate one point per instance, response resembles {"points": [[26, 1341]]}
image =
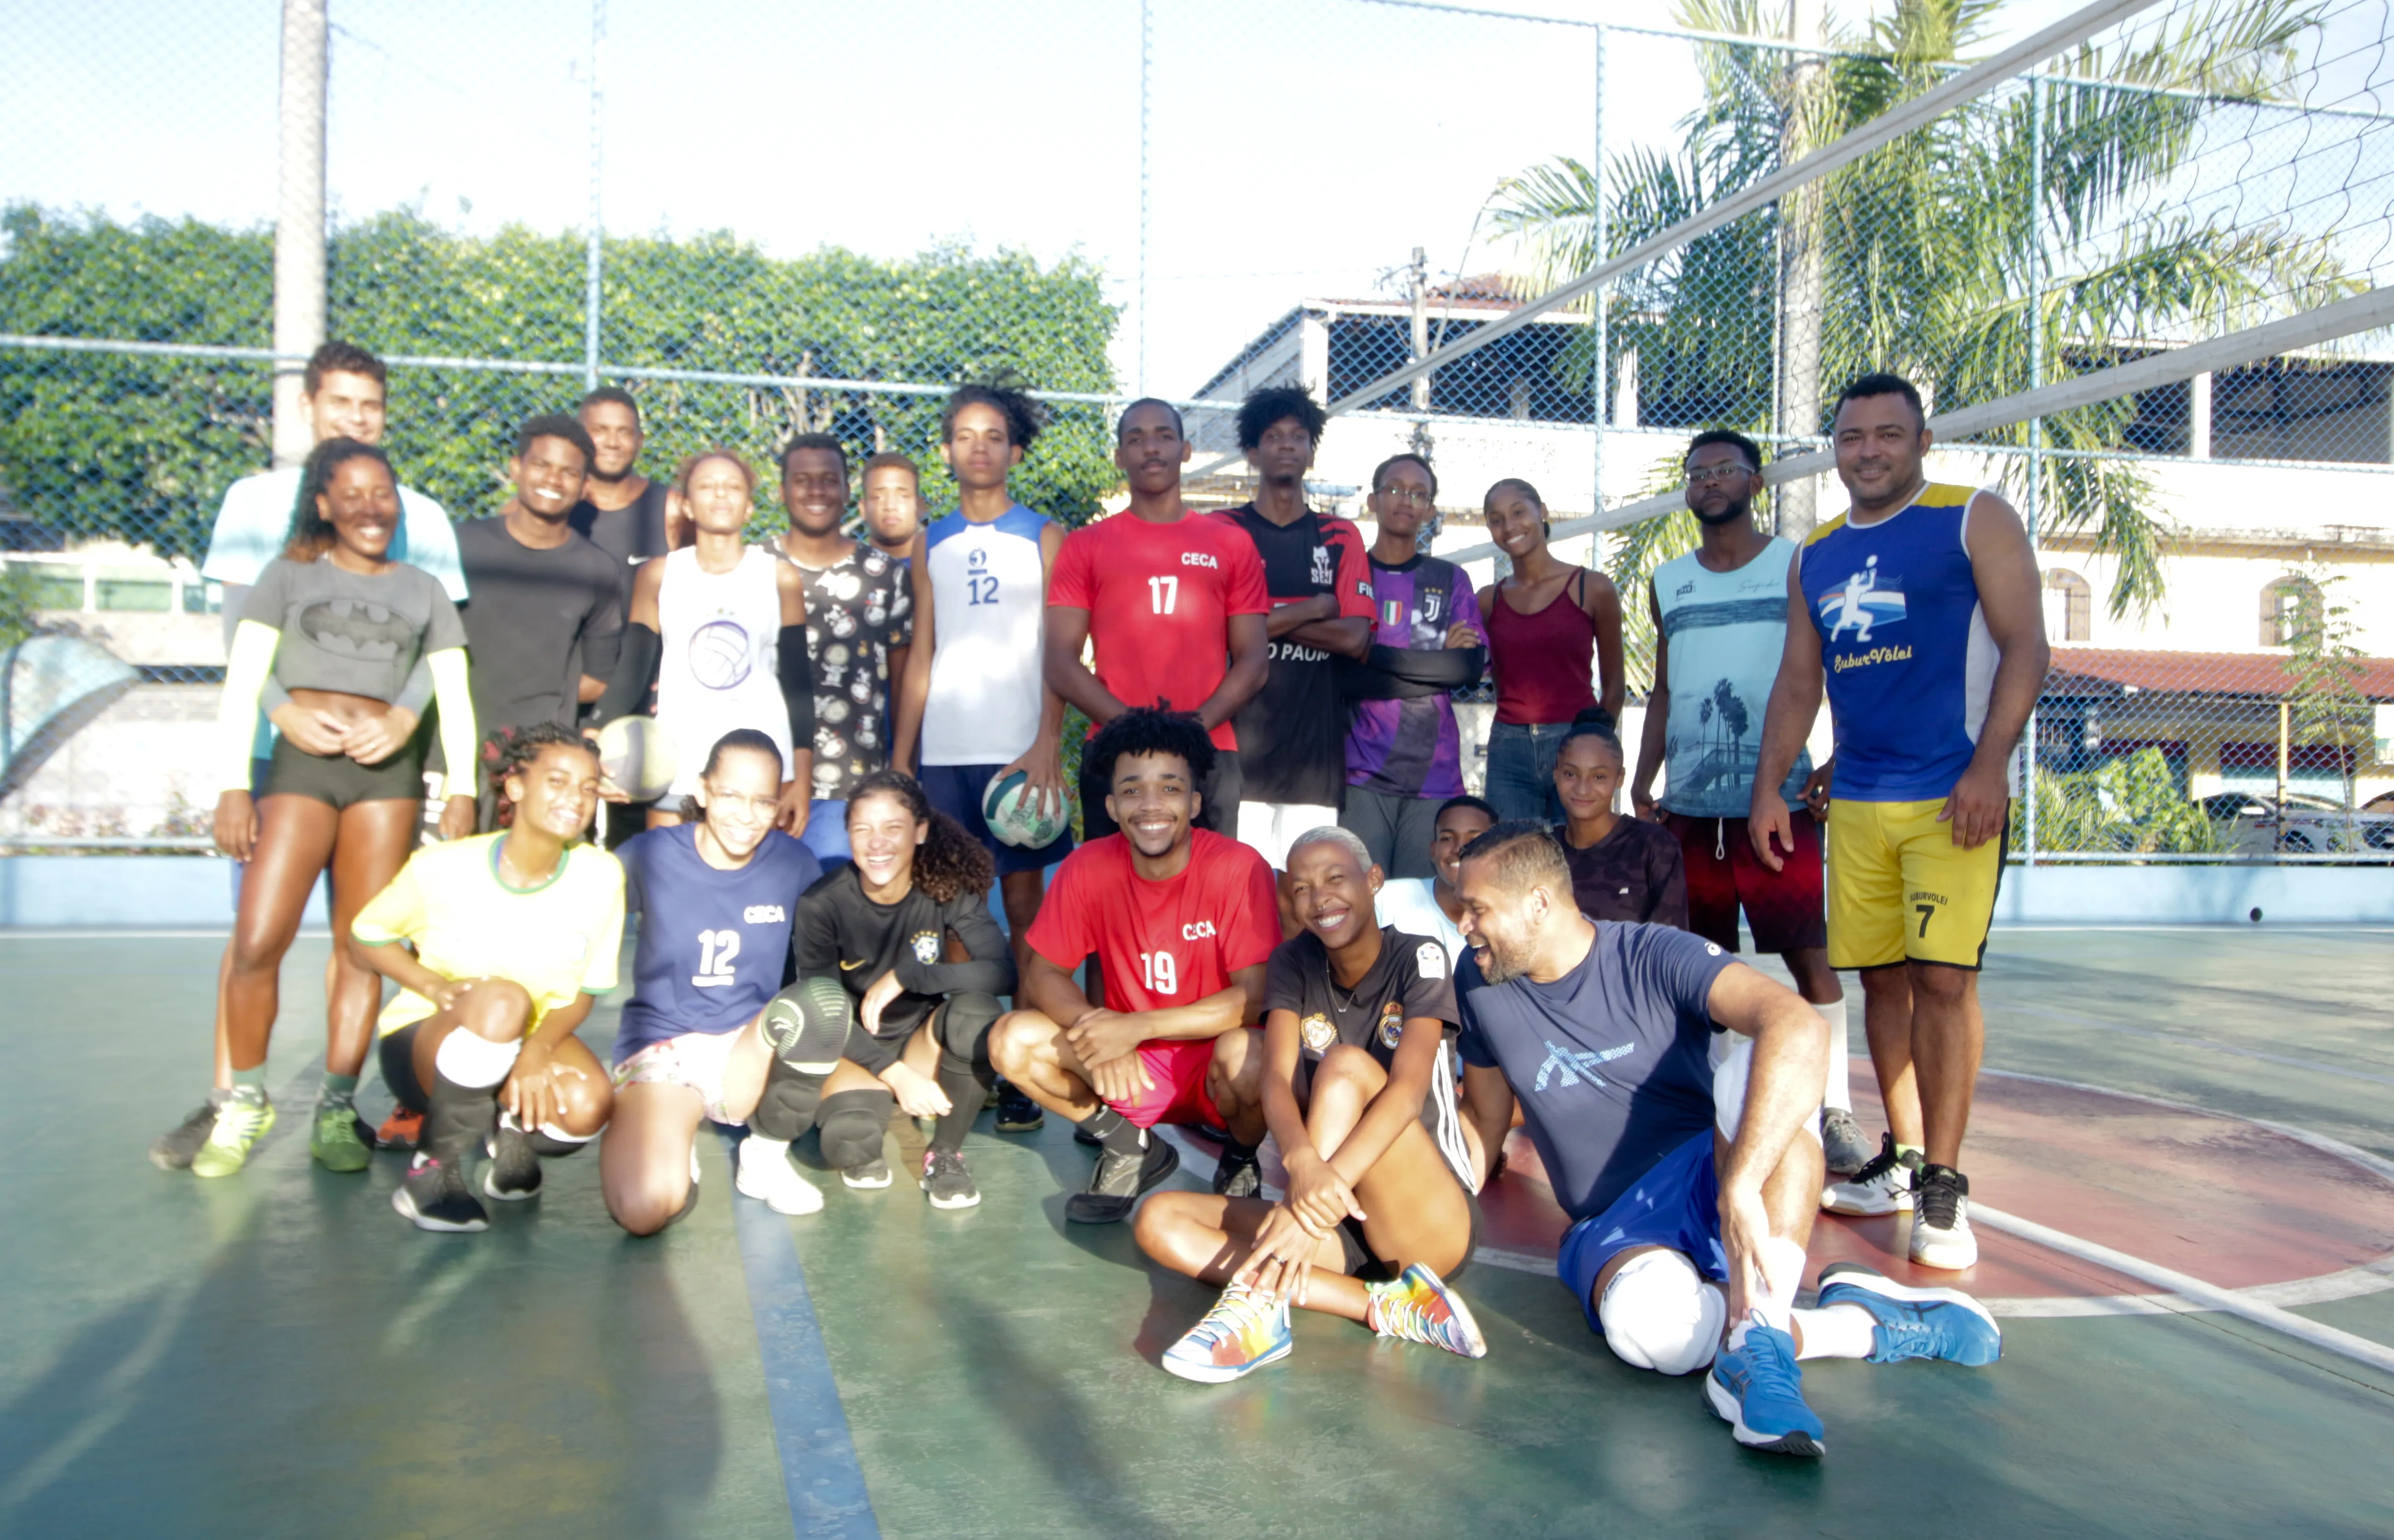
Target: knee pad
{"points": [[787, 1106], [852, 1124], [551, 1142], [964, 1028], [474, 1062], [807, 1024], [1659, 1313]]}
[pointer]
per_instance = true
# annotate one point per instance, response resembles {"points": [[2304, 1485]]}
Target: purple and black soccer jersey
{"points": [[712, 943], [1411, 747], [1611, 1061]]}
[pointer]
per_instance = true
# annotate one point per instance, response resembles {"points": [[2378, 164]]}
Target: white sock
{"points": [[764, 1146], [1840, 1091], [1841, 1331], [1783, 1270]]}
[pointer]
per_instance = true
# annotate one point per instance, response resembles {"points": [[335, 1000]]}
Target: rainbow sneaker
{"points": [[1418, 1307], [1245, 1330]]}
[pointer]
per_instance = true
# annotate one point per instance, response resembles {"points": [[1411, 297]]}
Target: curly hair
{"points": [[950, 862], [1141, 731], [1024, 417], [1271, 405], [508, 749], [311, 533]]}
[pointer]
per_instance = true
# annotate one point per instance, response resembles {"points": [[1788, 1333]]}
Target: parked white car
{"points": [[2256, 823]]}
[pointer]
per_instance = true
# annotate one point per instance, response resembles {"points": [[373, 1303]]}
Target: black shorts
{"points": [[1217, 808], [1363, 1265], [339, 781], [395, 1053]]}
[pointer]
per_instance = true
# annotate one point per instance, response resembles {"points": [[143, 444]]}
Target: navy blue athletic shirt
{"points": [[712, 943], [1609, 1060]]}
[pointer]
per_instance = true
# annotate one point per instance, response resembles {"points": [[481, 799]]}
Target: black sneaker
{"points": [[173, 1150], [1017, 1114], [1118, 1181], [514, 1171], [947, 1181], [1239, 1174], [872, 1173], [433, 1196]]}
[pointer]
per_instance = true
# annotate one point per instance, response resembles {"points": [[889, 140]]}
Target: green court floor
{"points": [[280, 1354]]}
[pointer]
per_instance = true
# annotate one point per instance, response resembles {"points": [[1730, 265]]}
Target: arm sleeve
{"points": [[605, 933], [1061, 931], [413, 696], [396, 913], [991, 971], [1283, 980], [444, 627], [1254, 928], [1667, 881], [458, 740], [246, 670], [1069, 588], [797, 675], [1399, 673], [636, 665], [1354, 586]]}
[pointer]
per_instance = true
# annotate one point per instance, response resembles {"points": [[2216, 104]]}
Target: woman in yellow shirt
{"points": [[514, 935]]}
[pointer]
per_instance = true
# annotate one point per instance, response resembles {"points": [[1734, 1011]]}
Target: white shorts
{"points": [[694, 1059], [1269, 827]]}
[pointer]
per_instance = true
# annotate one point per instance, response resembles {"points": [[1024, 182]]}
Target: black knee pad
{"points": [[963, 1031], [807, 1024], [788, 1105], [852, 1123]]}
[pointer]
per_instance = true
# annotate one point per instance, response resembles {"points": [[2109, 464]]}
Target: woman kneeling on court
{"points": [[874, 943], [514, 934], [715, 894], [1359, 1092]]}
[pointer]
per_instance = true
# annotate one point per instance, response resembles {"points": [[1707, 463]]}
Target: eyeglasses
{"points": [[1406, 496], [1703, 474]]}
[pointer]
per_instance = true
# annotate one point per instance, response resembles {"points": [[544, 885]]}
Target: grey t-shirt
{"points": [[539, 620], [344, 631]]}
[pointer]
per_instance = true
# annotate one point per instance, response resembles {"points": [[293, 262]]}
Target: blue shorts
{"points": [[956, 790], [1675, 1205]]}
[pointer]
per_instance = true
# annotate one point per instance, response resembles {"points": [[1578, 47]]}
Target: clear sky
{"points": [[1298, 147]]}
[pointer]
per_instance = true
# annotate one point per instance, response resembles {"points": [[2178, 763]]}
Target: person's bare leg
{"points": [[1201, 1236], [1887, 1021], [373, 844], [1948, 1036], [644, 1159], [1020, 894], [1235, 1081], [1029, 1048], [1815, 979], [296, 836]]}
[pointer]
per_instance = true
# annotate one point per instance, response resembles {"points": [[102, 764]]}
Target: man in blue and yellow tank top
{"points": [[1919, 608]]}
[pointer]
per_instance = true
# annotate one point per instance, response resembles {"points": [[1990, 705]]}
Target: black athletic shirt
{"points": [[632, 534], [841, 930], [537, 622], [1409, 980], [1292, 735]]}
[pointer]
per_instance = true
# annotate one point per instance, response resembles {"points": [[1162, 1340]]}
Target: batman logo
{"points": [[352, 628]]}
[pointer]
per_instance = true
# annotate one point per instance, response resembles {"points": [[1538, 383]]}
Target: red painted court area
{"points": [[2225, 1200]]}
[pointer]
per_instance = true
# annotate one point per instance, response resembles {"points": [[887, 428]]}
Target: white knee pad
{"points": [[1659, 1313], [473, 1061], [1729, 1075]]}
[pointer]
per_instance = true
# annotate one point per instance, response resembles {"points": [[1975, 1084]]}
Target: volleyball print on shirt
{"points": [[721, 654]]}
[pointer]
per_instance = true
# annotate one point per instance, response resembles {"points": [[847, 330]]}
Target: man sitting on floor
{"points": [[1694, 1192], [1182, 921]]}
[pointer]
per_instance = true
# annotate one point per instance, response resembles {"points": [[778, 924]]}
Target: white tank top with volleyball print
{"points": [[718, 633]]}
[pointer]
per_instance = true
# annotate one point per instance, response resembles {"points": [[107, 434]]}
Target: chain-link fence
{"points": [[819, 219]]}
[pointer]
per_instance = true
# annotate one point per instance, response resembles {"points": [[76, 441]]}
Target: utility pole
{"points": [[299, 222], [594, 236], [1419, 284], [1794, 503]]}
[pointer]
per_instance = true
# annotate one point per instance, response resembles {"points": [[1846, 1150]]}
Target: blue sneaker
{"points": [[1245, 1330], [1915, 1322], [1756, 1389]]}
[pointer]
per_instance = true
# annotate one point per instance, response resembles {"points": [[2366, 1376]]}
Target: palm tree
{"points": [[1926, 248]]}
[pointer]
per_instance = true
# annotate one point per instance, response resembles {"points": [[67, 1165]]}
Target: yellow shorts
{"points": [[1901, 890]]}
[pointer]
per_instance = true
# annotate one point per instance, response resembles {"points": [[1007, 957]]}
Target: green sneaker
{"points": [[335, 1141], [240, 1125]]}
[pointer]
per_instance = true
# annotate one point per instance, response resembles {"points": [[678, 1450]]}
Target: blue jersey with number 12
{"points": [[712, 943]]}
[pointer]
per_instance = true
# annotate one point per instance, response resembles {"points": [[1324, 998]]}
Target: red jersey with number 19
{"points": [[1162, 943], [1160, 598]]}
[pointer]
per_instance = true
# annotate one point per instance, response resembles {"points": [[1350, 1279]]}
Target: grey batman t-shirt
{"points": [[347, 632]]}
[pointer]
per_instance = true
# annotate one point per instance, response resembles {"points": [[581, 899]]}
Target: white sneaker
{"points": [[1882, 1186], [1941, 1221], [766, 1174]]}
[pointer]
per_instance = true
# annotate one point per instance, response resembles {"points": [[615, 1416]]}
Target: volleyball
{"points": [[1018, 817], [719, 654], [638, 757]]}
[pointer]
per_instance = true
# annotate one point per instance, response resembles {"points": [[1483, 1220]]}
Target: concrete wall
{"points": [[195, 892]]}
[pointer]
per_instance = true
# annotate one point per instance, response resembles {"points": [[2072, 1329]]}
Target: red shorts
{"points": [[1784, 908], [1178, 1066]]}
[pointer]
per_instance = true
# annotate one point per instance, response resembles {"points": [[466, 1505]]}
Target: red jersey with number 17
{"points": [[1160, 598], [1162, 943]]}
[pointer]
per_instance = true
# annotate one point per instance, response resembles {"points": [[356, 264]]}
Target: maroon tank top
{"points": [[1543, 663]]}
